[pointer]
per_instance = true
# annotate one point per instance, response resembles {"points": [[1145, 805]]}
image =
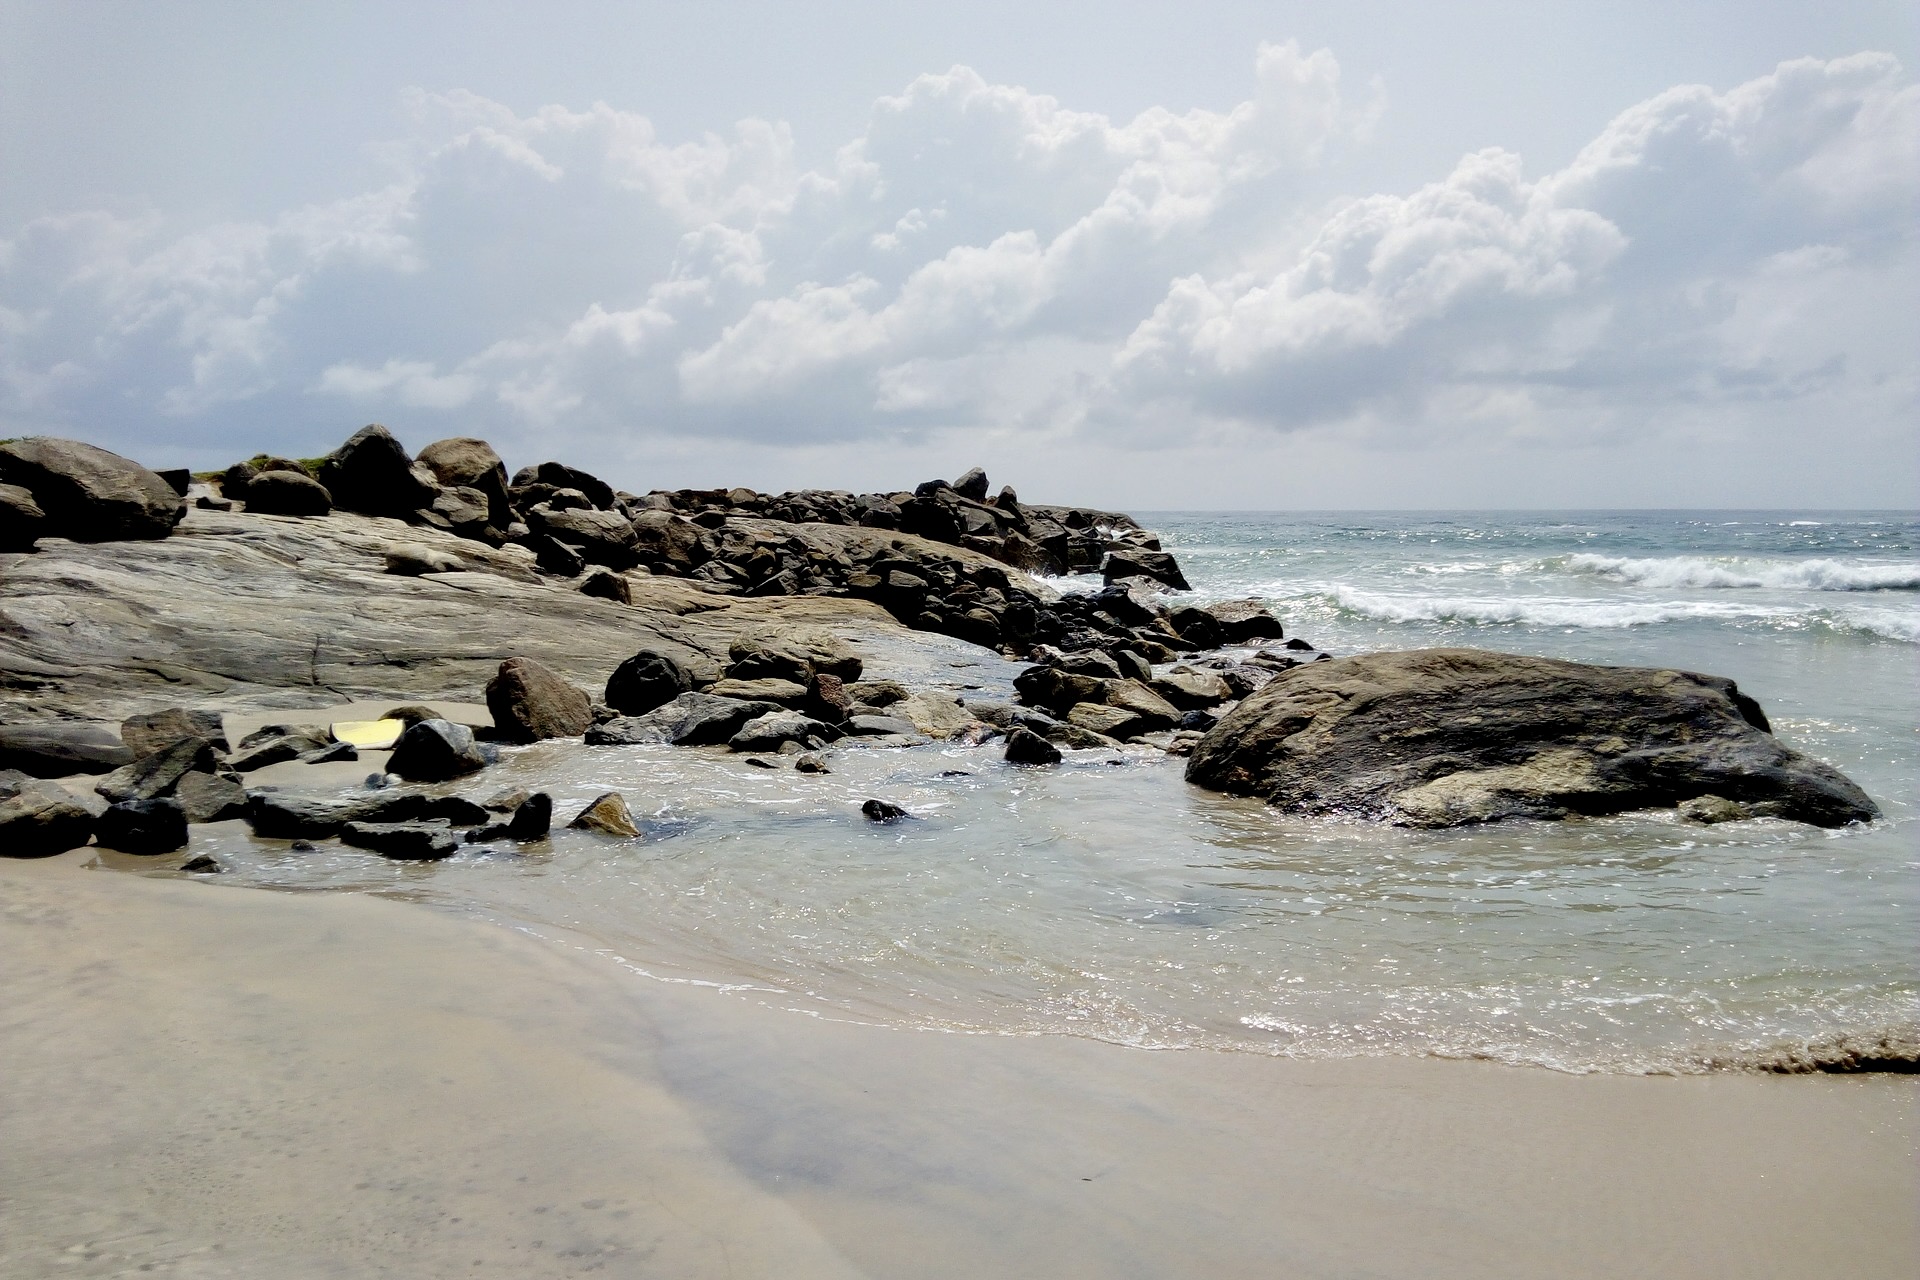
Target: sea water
{"points": [[1106, 898]]}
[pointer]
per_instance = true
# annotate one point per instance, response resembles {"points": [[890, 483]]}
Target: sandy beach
{"points": [[215, 1081]]}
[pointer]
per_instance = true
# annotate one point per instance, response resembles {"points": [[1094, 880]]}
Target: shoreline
{"points": [[358, 1087]]}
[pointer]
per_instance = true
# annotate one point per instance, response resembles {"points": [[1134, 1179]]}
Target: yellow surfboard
{"points": [[370, 735]]}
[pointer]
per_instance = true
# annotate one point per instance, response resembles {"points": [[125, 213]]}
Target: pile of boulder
{"points": [[739, 542]]}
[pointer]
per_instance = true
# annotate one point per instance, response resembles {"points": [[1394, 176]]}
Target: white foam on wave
{"points": [[1563, 611], [1708, 573]]}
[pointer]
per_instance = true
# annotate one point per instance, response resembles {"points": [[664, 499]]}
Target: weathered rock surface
{"points": [[59, 748], [291, 815], [287, 493], [210, 797], [1444, 737], [608, 815], [89, 494], [153, 776], [39, 819], [145, 734], [690, 720], [531, 702], [768, 732], [463, 462], [402, 841]]}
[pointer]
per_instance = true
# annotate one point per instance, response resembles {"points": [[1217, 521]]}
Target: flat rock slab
{"points": [[1446, 737]]}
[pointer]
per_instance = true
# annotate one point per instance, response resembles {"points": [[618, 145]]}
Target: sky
{"points": [[1139, 255]]}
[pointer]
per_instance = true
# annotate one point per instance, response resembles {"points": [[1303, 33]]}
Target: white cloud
{"points": [[985, 259]]}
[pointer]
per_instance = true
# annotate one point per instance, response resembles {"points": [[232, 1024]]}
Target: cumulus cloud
{"points": [[984, 258]]}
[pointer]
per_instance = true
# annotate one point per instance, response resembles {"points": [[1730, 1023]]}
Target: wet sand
{"points": [[212, 1081]]}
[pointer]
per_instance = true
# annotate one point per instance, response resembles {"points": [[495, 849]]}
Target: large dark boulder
{"points": [[463, 462], [61, 748], [436, 750], [561, 476], [1444, 737], [1024, 746], [39, 819], [972, 485], [647, 680], [145, 827], [372, 474], [1243, 620], [88, 494], [287, 493], [1132, 562], [531, 702], [21, 519]]}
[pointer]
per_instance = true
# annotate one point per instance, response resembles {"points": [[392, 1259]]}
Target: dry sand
{"points": [[211, 1081]]}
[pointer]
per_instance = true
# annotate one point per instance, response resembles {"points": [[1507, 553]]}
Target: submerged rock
{"points": [[1444, 737], [609, 816], [882, 811], [1024, 746], [286, 815], [402, 841]]}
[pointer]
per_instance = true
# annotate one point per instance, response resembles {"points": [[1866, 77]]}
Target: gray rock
{"points": [[1442, 737], [608, 815], [1241, 621], [372, 474], [202, 865], [402, 841], [1136, 563], [874, 726], [783, 692], [436, 750], [883, 811], [288, 815], [463, 462], [145, 734], [145, 827], [1024, 746], [332, 753], [287, 493], [794, 655], [605, 584], [531, 702], [153, 776], [277, 744], [532, 818], [88, 494], [972, 485], [55, 750], [768, 732], [601, 537], [21, 519], [40, 819], [210, 797], [647, 680]]}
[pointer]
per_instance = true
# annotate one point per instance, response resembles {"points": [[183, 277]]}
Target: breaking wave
{"points": [[1729, 573], [1557, 611]]}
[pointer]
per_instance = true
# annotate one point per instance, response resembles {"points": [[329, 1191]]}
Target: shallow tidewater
{"points": [[1108, 899]]}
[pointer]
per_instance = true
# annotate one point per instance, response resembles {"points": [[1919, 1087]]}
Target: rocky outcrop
{"points": [[1445, 737], [463, 462], [88, 494], [531, 702]]}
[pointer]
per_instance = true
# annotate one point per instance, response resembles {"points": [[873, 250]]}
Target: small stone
{"points": [[810, 763], [202, 865]]}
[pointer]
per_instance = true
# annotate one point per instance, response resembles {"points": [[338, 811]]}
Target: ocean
{"points": [[1107, 899]]}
